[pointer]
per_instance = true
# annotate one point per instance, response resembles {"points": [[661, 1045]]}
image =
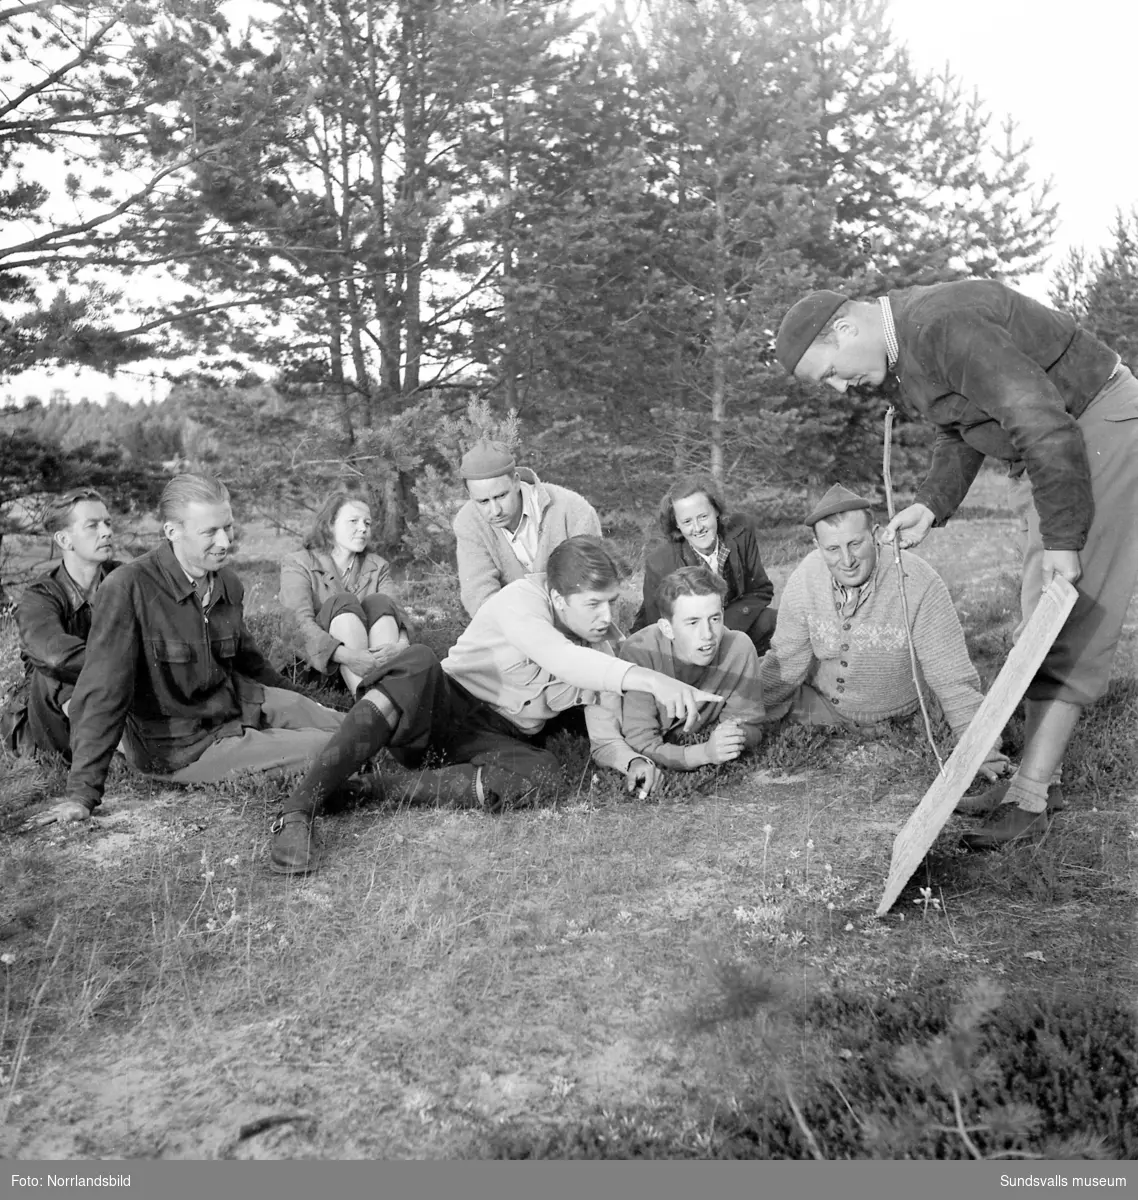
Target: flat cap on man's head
{"points": [[487, 460], [837, 500], [802, 324]]}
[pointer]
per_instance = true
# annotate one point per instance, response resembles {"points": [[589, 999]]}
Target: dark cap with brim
{"points": [[802, 324], [837, 500]]}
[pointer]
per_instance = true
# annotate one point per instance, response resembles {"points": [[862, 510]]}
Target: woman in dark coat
{"points": [[693, 517]]}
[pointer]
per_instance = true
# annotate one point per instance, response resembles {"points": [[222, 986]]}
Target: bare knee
{"points": [[386, 632], [349, 629]]}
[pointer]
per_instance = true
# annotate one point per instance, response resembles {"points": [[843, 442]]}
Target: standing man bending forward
{"points": [[1000, 374]]}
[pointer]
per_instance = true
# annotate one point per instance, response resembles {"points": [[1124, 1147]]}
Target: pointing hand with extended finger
{"points": [[680, 701]]}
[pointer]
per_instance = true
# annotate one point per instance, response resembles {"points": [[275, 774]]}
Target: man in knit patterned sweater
{"points": [[840, 653], [690, 643]]}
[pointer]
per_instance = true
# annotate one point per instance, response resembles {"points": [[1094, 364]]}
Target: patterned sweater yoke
{"points": [[861, 663]]}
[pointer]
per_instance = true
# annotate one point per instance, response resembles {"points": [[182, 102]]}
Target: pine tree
{"points": [[88, 90], [1101, 291]]}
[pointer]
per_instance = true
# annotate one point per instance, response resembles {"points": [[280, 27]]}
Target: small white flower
{"points": [[830, 906], [849, 927], [235, 861], [809, 843], [827, 868], [769, 829], [7, 959]]}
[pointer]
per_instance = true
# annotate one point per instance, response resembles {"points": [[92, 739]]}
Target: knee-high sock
{"points": [[364, 733]]}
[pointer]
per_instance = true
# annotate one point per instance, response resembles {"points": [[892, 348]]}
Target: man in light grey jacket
{"points": [[511, 523]]}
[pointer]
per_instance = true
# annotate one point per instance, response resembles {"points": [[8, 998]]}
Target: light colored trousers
{"points": [[299, 730], [1077, 668]]}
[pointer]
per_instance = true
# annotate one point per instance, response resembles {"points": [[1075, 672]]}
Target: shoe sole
{"points": [[979, 841], [983, 810], [280, 869]]}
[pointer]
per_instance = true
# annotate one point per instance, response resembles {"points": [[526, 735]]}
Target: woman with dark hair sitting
{"points": [[336, 589], [701, 532]]}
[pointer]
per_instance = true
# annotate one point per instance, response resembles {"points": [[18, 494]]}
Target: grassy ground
{"points": [[697, 976]]}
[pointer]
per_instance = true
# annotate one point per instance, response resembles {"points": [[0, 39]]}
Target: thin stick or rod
{"points": [[885, 471]]}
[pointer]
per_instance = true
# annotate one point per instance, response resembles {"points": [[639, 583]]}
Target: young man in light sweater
{"points": [[538, 647], [511, 522], [840, 652], [690, 642]]}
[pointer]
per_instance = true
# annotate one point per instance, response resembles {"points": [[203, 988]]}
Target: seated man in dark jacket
{"points": [[54, 617], [171, 669], [700, 532]]}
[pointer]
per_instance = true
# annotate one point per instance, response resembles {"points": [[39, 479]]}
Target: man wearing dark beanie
{"points": [[511, 522], [536, 648], [1000, 374]]}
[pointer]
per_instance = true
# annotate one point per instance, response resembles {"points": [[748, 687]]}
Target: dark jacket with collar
{"points": [[749, 590], [172, 677], [54, 619], [1001, 374]]}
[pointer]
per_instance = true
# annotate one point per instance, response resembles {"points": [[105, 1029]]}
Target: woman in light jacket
{"points": [[336, 589]]}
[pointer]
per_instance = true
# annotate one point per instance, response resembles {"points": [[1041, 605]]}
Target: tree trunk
{"points": [[394, 511], [720, 338], [340, 385], [510, 363], [415, 197]]}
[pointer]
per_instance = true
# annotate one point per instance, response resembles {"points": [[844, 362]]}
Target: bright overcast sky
{"points": [[1065, 74]]}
